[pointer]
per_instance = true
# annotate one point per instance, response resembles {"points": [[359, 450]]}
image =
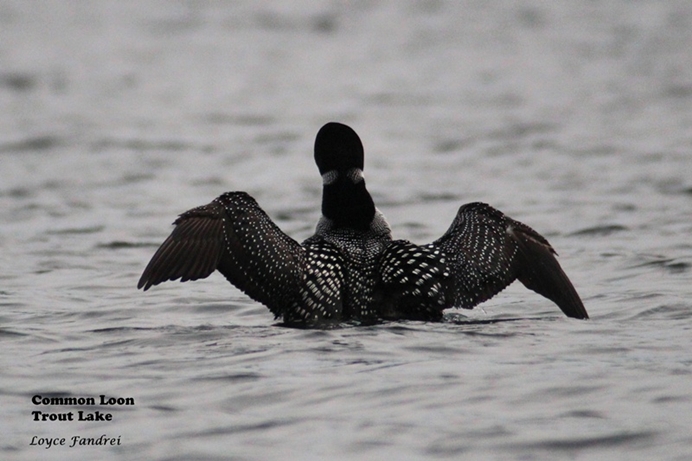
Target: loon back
{"points": [[351, 269]]}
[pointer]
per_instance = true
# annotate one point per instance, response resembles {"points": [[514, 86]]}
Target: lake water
{"points": [[573, 117]]}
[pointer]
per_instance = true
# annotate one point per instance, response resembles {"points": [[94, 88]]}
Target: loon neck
{"points": [[347, 203]]}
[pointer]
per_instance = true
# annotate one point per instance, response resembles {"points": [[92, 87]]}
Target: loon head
{"points": [[338, 148], [339, 157]]}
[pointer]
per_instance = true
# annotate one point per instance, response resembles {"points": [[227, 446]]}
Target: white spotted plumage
{"points": [[351, 269]]}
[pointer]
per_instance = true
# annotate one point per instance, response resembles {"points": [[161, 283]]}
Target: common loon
{"points": [[351, 269]]}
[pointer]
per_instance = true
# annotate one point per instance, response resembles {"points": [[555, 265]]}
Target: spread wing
{"points": [[235, 236], [488, 250]]}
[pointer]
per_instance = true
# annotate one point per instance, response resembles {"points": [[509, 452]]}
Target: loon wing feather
{"points": [[488, 250], [235, 236], [191, 252], [539, 271]]}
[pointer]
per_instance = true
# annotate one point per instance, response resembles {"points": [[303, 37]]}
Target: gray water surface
{"points": [[573, 117]]}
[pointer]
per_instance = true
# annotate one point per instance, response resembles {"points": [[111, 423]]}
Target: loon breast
{"points": [[351, 268]]}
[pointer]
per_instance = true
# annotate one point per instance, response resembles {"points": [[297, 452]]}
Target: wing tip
{"points": [[575, 311], [145, 281], [541, 272]]}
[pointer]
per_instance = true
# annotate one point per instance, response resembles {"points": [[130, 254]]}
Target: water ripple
{"points": [[614, 440]]}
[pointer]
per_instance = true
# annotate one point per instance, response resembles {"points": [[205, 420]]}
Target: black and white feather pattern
{"points": [[488, 250], [320, 298], [234, 235], [360, 251], [351, 269], [413, 282]]}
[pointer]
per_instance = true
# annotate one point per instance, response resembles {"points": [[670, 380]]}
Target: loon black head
{"points": [[339, 157], [338, 148]]}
